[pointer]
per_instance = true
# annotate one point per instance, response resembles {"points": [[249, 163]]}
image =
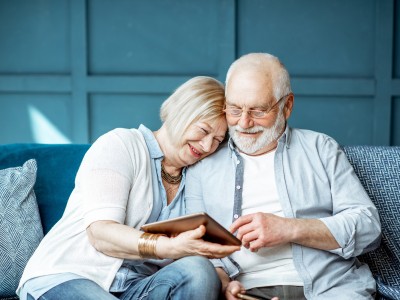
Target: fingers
{"points": [[248, 238], [246, 297], [234, 288], [248, 230], [191, 243], [193, 234], [198, 232], [256, 245], [213, 250], [255, 230], [240, 222]]}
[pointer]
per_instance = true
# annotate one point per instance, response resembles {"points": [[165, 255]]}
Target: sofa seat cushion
{"points": [[20, 226]]}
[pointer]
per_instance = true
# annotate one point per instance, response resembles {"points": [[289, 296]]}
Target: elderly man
{"points": [[290, 194]]}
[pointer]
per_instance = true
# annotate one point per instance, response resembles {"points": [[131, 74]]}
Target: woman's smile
{"points": [[196, 153]]}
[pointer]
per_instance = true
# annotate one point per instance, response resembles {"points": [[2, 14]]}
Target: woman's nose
{"points": [[206, 143]]}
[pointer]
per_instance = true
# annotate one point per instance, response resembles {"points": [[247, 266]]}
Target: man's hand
{"points": [[233, 288], [235, 291], [262, 230], [268, 230]]}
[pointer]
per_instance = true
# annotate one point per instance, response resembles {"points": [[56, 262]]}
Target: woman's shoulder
{"points": [[119, 142], [125, 133], [124, 136]]}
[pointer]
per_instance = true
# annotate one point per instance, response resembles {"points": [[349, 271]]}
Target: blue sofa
{"points": [[377, 167]]}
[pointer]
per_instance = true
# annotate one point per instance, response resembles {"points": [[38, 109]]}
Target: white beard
{"points": [[250, 145]]}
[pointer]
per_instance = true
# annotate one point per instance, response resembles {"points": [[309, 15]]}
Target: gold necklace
{"points": [[170, 178]]}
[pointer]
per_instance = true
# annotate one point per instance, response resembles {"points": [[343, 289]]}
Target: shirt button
{"points": [[236, 216], [238, 187]]}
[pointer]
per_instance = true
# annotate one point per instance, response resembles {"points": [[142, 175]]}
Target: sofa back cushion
{"points": [[20, 227], [57, 165], [378, 169]]}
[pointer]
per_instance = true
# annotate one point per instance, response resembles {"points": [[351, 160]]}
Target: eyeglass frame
{"points": [[251, 111]]}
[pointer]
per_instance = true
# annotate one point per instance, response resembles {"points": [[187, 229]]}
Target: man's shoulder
{"points": [[307, 134], [222, 152], [310, 139], [215, 160]]}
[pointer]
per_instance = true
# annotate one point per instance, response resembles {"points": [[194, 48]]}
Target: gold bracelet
{"points": [[147, 245]]}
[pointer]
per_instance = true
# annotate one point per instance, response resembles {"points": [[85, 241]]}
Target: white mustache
{"points": [[254, 129]]}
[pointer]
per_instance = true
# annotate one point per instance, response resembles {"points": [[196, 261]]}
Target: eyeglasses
{"points": [[253, 113]]}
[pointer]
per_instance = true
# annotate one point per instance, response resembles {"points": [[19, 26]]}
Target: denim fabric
{"points": [[130, 269], [314, 180], [77, 289], [188, 278]]}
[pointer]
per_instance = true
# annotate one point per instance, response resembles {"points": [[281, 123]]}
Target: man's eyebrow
{"points": [[260, 107]]}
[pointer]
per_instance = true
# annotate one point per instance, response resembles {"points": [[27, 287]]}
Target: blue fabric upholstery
{"points": [[379, 171], [377, 167], [57, 166]]}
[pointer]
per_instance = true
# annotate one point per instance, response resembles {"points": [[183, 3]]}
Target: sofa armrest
{"points": [[378, 168]]}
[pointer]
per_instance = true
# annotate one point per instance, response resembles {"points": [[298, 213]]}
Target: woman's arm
{"points": [[114, 239]]}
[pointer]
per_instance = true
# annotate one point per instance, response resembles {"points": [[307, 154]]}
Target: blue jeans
{"points": [[191, 277]]}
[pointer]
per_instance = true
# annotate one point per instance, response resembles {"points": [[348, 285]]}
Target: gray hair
{"points": [[264, 63]]}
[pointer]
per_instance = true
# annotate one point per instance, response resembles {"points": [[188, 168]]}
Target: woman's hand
{"points": [[119, 240], [190, 243]]}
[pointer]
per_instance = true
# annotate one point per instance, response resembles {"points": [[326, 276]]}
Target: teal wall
{"points": [[72, 70]]}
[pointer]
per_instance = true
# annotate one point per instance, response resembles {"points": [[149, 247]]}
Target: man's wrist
{"points": [[224, 278]]}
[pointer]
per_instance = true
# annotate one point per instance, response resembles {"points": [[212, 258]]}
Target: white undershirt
{"points": [[268, 266]]}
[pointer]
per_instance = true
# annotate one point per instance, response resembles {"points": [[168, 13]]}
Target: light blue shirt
{"points": [[137, 269], [130, 269], [314, 181]]}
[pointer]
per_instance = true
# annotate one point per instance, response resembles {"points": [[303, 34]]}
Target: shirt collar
{"points": [[151, 142], [286, 136]]}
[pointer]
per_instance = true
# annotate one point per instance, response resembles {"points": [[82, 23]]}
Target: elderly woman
{"points": [[130, 177]]}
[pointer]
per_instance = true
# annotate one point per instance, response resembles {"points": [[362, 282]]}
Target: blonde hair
{"points": [[200, 98]]}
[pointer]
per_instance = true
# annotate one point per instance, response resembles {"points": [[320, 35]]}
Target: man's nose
{"points": [[245, 121]]}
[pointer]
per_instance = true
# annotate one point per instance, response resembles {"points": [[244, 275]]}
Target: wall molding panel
{"points": [[85, 67]]}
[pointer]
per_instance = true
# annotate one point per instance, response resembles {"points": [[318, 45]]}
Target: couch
{"points": [[377, 167]]}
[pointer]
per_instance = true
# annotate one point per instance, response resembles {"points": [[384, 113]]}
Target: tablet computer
{"points": [[215, 232]]}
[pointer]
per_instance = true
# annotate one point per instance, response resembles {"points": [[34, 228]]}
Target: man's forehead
{"points": [[250, 78], [249, 87]]}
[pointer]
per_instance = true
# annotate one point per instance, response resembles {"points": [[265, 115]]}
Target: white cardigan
{"points": [[114, 182]]}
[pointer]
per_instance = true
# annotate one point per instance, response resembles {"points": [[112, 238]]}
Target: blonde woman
{"points": [[130, 177]]}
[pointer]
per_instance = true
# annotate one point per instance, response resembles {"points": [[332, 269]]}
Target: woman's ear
{"points": [[287, 109]]}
